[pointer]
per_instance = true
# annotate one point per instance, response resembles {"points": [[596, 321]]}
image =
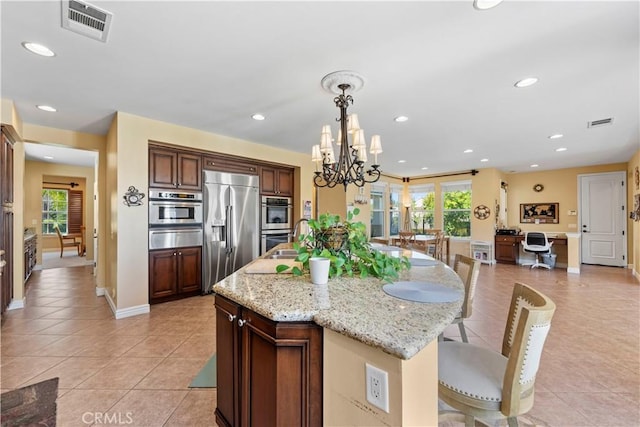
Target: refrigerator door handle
{"points": [[229, 232]]}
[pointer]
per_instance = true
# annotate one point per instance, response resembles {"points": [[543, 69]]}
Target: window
{"points": [[395, 198], [422, 207], [377, 210], [456, 208], [54, 210]]}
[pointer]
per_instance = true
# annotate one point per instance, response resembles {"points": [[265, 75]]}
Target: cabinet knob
{"points": [[232, 317], [241, 322], [174, 254], [180, 253]]}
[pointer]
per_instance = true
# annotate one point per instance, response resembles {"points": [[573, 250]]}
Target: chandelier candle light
{"points": [[349, 167]]}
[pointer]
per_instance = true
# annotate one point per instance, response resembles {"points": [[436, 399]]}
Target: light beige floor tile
{"points": [[82, 407], [197, 409], [172, 374], [122, 373], [156, 346], [197, 346], [23, 368], [71, 371], [147, 407]]}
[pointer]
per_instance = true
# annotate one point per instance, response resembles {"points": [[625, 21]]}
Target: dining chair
{"points": [[468, 270], [537, 243], [407, 238], [66, 241], [480, 383], [435, 247]]}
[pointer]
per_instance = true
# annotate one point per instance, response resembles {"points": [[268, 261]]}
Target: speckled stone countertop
{"points": [[357, 308]]}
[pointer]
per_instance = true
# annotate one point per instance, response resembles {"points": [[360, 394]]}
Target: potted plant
{"points": [[346, 245]]}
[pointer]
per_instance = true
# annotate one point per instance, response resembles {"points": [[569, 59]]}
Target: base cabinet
{"points": [[174, 273], [269, 373], [507, 249]]}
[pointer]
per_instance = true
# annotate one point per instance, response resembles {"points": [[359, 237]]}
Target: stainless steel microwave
{"points": [[171, 208], [276, 213]]}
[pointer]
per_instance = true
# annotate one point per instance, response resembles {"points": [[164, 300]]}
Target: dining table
{"points": [[426, 239]]}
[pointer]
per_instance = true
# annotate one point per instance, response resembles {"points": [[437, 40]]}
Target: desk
{"points": [[421, 238], [508, 247]]}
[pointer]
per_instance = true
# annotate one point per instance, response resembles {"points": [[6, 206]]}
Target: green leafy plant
{"points": [[346, 245]]}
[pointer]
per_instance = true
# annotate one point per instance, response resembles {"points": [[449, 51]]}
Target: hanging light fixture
{"points": [[349, 167]]}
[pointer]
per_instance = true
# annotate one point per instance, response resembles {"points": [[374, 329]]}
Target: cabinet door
{"points": [[506, 249], [163, 168], [281, 372], [189, 270], [227, 360], [6, 164], [268, 181], [163, 271], [189, 171], [285, 182]]}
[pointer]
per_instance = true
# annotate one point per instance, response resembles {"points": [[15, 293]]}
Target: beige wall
{"points": [[38, 172]]}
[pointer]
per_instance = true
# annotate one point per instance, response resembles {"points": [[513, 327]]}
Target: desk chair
{"points": [[66, 242], [537, 243], [478, 382]]}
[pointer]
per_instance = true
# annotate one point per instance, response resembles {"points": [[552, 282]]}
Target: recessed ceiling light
{"points": [[561, 149], [424, 168], [556, 136], [401, 119], [258, 117], [467, 151], [534, 165], [47, 108], [485, 4], [526, 82], [402, 161], [38, 49], [484, 160], [48, 157]]}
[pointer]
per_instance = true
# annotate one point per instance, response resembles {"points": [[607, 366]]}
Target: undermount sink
{"points": [[284, 254]]}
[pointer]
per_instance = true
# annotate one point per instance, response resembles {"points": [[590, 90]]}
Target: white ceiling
{"points": [[448, 67]]}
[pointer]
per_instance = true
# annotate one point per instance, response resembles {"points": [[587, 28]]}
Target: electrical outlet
{"points": [[377, 383]]}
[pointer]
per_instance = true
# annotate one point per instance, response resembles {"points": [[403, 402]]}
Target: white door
{"points": [[602, 218]]}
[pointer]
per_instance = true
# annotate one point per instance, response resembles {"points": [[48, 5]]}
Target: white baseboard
{"points": [[573, 270], [636, 274], [129, 311], [100, 292], [16, 304]]}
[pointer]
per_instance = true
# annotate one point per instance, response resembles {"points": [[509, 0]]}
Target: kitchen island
{"points": [[290, 352]]}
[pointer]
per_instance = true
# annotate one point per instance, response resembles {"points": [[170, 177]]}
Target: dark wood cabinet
{"points": [[6, 170], [269, 373], [174, 273], [229, 164], [174, 169], [6, 218], [30, 255], [276, 181], [507, 249]]}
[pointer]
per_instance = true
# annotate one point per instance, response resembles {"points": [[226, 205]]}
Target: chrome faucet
{"points": [[296, 227]]}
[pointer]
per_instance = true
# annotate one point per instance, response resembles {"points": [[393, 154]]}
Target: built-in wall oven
{"points": [[169, 208], [272, 238], [276, 213]]}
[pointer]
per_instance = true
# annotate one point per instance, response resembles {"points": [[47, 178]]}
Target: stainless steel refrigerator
{"points": [[231, 224]]}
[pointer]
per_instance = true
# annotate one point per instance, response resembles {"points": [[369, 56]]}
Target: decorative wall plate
{"points": [[538, 188], [481, 212], [133, 197]]}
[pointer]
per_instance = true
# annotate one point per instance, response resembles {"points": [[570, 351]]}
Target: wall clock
{"points": [[538, 188], [481, 212]]}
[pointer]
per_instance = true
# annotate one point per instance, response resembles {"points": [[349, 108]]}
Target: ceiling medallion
{"points": [[538, 188], [349, 167]]}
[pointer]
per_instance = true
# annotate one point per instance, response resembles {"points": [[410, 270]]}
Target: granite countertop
{"points": [[29, 234], [357, 308]]}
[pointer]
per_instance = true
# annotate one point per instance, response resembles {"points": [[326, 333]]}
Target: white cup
{"points": [[319, 268]]}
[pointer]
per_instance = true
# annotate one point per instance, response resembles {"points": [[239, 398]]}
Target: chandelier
{"points": [[349, 168]]}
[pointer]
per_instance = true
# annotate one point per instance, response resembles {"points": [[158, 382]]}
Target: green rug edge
{"points": [[206, 378]]}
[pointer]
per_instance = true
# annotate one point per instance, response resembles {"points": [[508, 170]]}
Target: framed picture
{"points": [[539, 213]]}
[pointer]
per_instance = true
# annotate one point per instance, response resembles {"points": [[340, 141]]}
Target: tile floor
{"points": [[137, 371]]}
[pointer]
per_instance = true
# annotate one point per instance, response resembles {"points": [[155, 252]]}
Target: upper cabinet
{"points": [[229, 164], [174, 169], [6, 166], [276, 181]]}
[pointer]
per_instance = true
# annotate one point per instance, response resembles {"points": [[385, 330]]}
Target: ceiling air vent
{"points": [[601, 122], [86, 19]]}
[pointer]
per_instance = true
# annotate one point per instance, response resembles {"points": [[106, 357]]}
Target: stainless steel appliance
{"points": [[174, 208], [231, 224], [272, 238], [179, 237], [276, 213]]}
